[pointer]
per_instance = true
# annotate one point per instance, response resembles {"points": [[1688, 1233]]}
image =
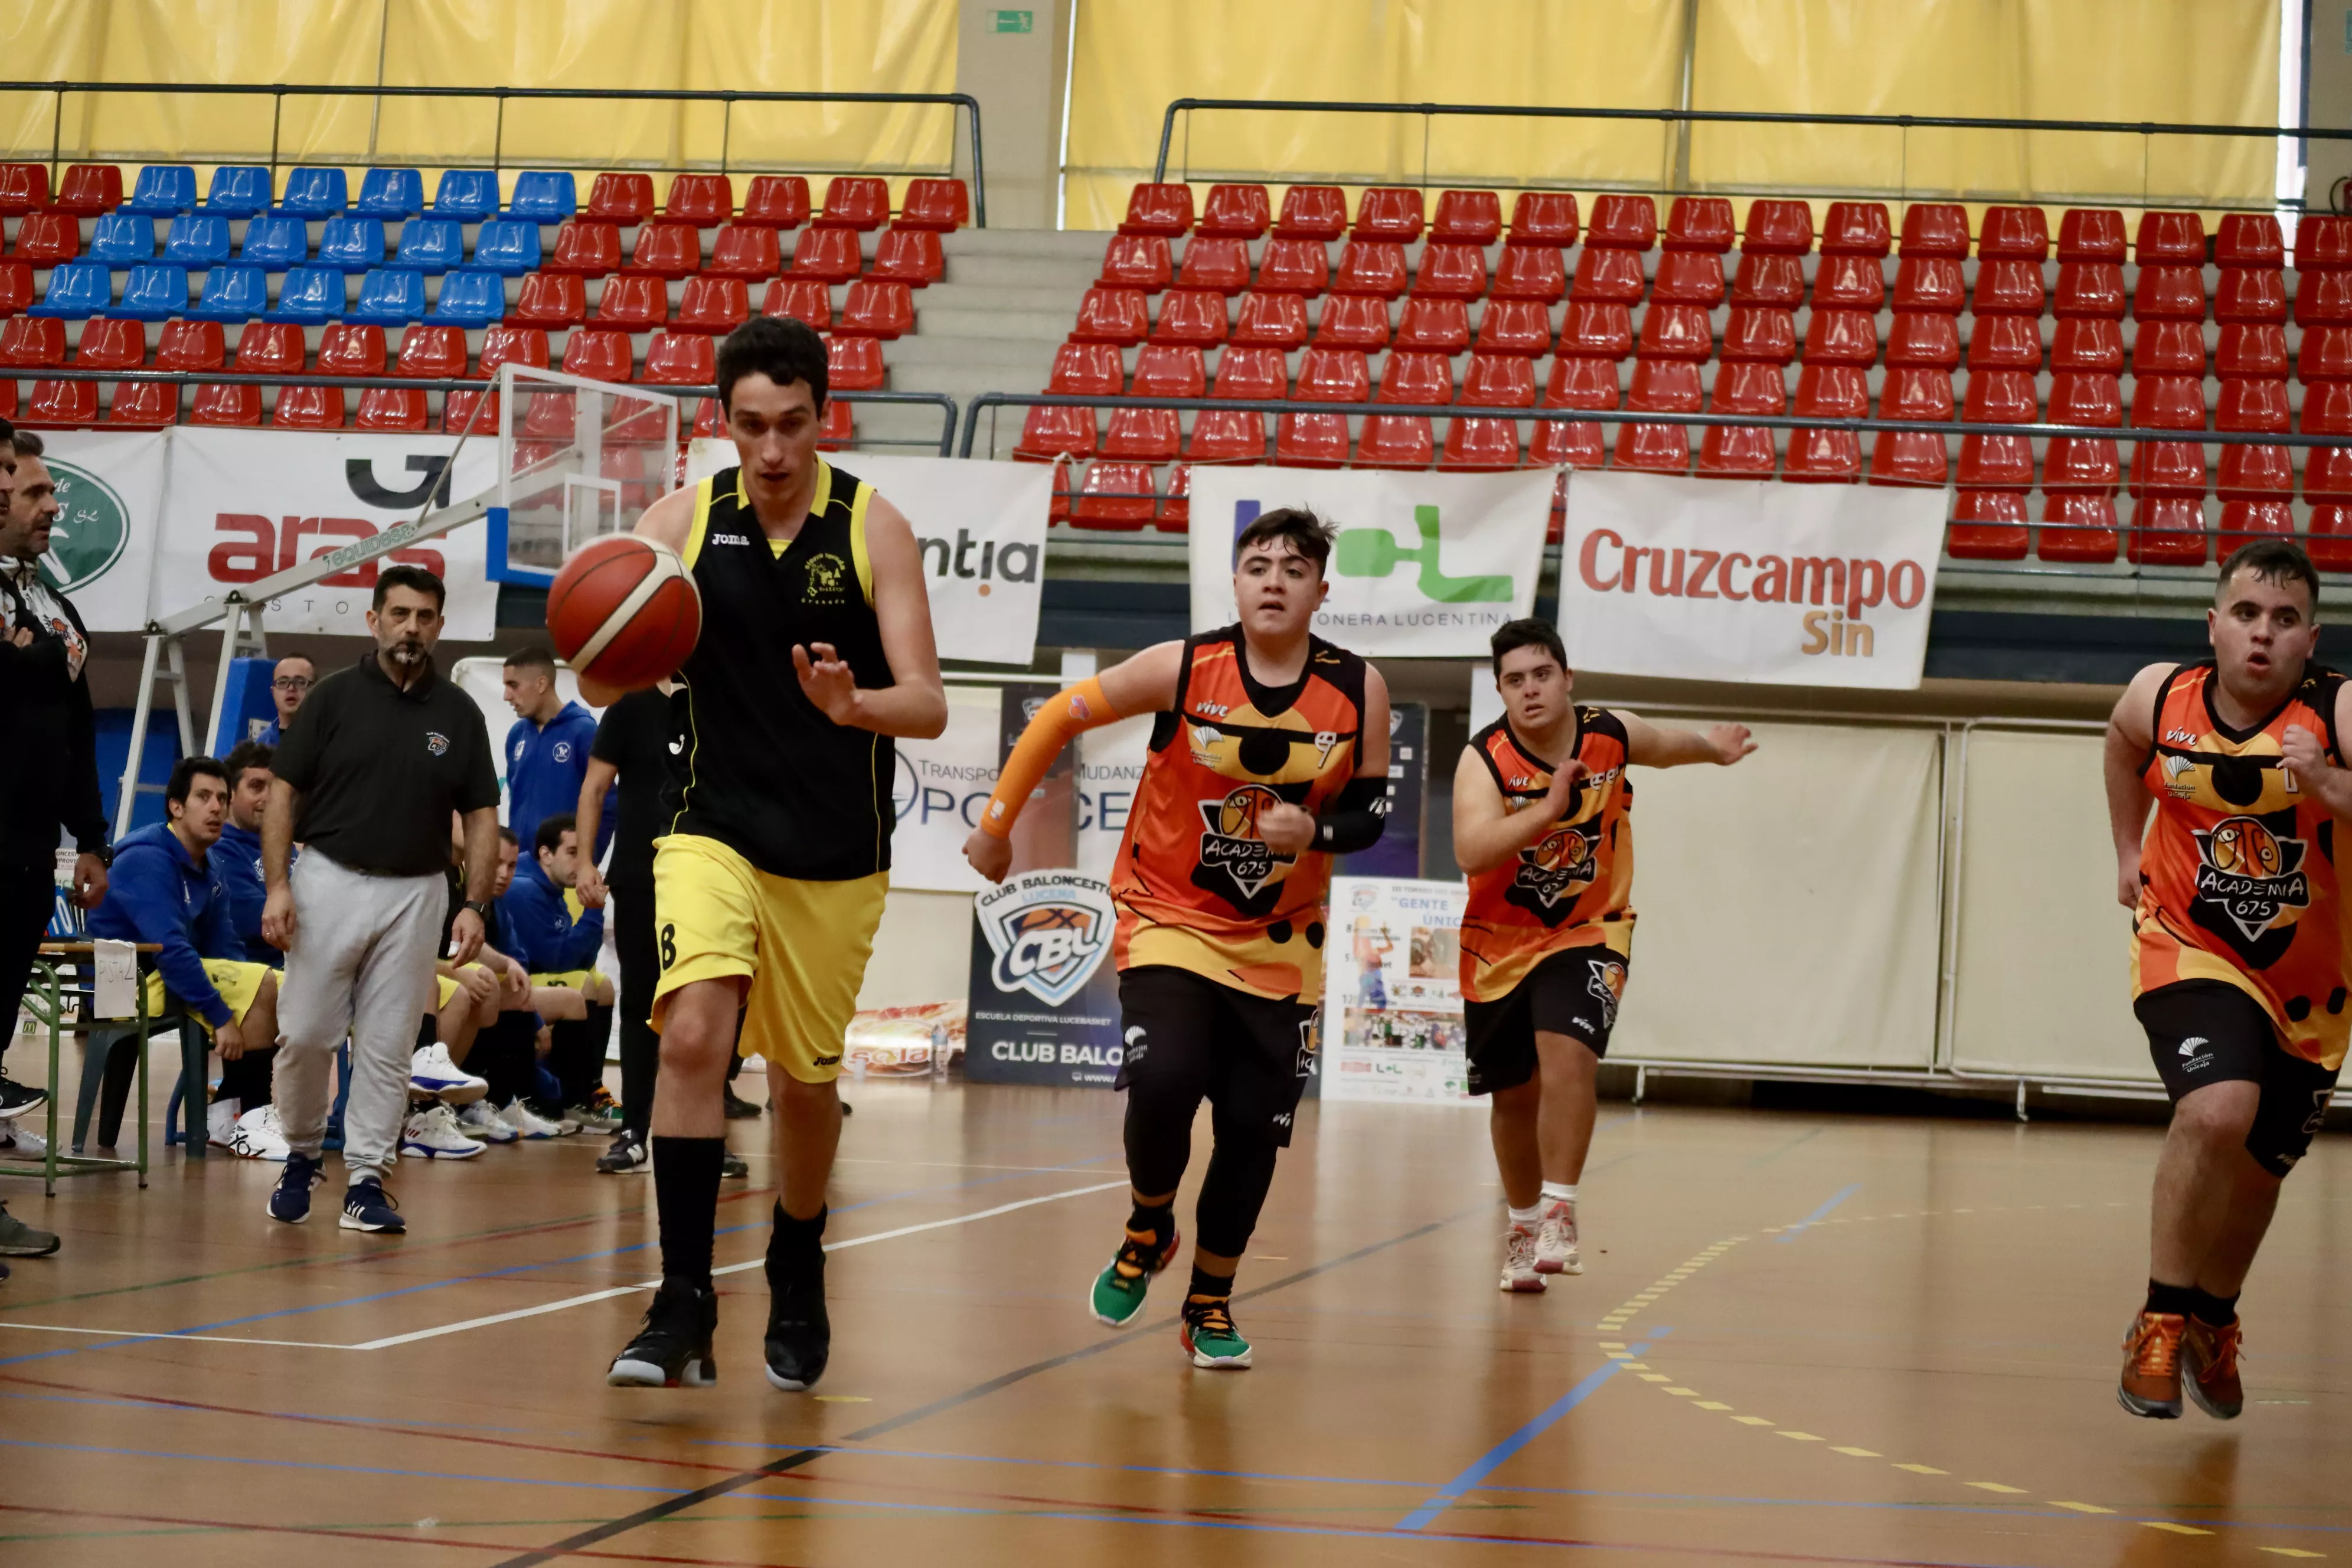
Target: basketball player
{"points": [[1269, 756], [768, 882], [1547, 933], [2238, 948]]}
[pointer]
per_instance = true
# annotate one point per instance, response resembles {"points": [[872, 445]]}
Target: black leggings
{"points": [[246, 1080], [28, 897], [632, 941], [1160, 1113]]}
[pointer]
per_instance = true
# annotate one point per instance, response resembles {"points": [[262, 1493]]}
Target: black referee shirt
{"points": [[634, 737], [380, 769]]}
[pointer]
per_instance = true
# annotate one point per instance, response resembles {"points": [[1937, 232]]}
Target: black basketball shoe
{"points": [[673, 1344]]}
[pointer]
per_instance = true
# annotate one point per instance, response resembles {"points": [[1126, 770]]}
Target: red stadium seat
{"points": [[1827, 457], [854, 364], [2170, 293], [1574, 383], [1048, 433], [215, 404], [586, 247], [89, 190], [393, 410], [552, 300], [858, 201], [16, 293], [2254, 473], [2089, 344], [1778, 281], [705, 201], [1220, 262], [2091, 233], [1595, 331], [838, 429], [599, 356], [1353, 322], [47, 239], [1857, 228], [2323, 243], [1689, 277], [1742, 451], [1374, 266], [2169, 348], [1197, 316], [934, 206], [2323, 300], [1433, 326], [1841, 337], [2175, 237], [270, 348], [2083, 466], [714, 305], [32, 341], [1764, 335], [2242, 520], [2168, 530], [1608, 276], [1167, 370], [1911, 457], [2089, 289], [1847, 282], [1236, 436], [1085, 369], [2168, 468], [1987, 525], [1113, 316], [1422, 378], [877, 308], [1275, 319], [827, 255], [1492, 381], [1165, 210], [620, 199], [1136, 261], [1924, 339], [801, 299], [2329, 543], [1320, 440], [24, 188], [667, 250], [1389, 212], [2015, 233], [1998, 462], [1176, 505], [2249, 239], [2254, 294], [910, 256], [1700, 224], [1520, 327], [1312, 212], [344, 349], [2006, 342], [1936, 229], [776, 201], [1451, 271], [2325, 354], [1152, 435], [2078, 527], [1404, 441], [1115, 495], [1623, 223], [2327, 471], [1529, 272], [1545, 219], [1294, 267], [632, 302], [1235, 212], [1467, 218], [1779, 229], [309, 408], [2007, 289], [746, 250], [1674, 332], [438, 352], [1660, 386], [1334, 375], [2257, 352], [190, 347]]}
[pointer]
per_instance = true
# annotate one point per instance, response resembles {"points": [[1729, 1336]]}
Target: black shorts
{"points": [[1573, 993], [1249, 1055], [2207, 1031]]}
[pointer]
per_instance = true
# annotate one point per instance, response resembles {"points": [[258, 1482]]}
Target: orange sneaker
{"points": [[2151, 1380], [2208, 1356]]}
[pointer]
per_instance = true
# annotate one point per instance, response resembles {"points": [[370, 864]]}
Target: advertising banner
{"points": [[1425, 566], [109, 496], [1044, 996], [1718, 580], [1392, 993], [981, 529], [940, 786], [1111, 770]]}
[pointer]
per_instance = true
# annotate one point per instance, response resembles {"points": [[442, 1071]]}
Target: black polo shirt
{"points": [[634, 737], [380, 769]]}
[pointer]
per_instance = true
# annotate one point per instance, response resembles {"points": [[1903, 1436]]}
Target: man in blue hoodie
{"points": [[239, 853], [546, 748], [560, 951], [168, 887]]}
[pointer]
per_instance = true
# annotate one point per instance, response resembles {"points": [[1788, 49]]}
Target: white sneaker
{"points": [[220, 1122], [481, 1123], [529, 1123], [22, 1142], [1556, 1240], [257, 1135], [430, 1071], [433, 1135], [1519, 1259]]}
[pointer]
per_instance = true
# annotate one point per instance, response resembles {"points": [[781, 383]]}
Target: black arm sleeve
{"points": [[1356, 818]]}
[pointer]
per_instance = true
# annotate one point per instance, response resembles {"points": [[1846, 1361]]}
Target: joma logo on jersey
{"points": [[730, 538], [2250, 873], [1231, 844], [1557, 866], [827, 575], [1049, 930]]}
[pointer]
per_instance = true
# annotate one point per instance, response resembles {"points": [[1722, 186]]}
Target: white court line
{"points": [[201, 1339], [570, 1302]]}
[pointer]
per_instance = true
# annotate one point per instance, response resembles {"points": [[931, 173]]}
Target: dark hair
{"points": [[536, 656], [778, 347], [184, 777], [1529, 633], [305, 657], [7, 431], [2279, 560], [27, 443], [404, 576], [552, 830], [247, 754], [1308, 534], [509, 835]]}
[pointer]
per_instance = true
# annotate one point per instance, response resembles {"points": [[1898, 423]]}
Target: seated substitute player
{"points": [[239, 848], [1269, 755], [168, 888], [768, 883], [2239, 949], [558, 951], [1542, 827]]}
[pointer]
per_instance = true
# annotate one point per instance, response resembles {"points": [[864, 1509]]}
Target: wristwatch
{"points": [[105, 853], [481, 907]]}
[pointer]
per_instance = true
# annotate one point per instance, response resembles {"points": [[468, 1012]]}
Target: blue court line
{"points": [[1486, 1464], [1815, 1218]]}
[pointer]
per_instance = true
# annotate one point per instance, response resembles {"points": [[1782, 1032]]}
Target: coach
{"points": [[48, 736], [378, 757]]}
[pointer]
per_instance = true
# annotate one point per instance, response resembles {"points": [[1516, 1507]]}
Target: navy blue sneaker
{"points": [[367, 1206], [290, 1200]]}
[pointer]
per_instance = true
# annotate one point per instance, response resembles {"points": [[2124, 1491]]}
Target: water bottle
{"points": [[939, 1051]]}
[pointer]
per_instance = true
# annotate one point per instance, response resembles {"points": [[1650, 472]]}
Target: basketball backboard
{"points": [[576, 459]]}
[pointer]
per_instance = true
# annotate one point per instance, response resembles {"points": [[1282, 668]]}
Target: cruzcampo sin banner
{"points": [[1044, 996], [1425, 565]]}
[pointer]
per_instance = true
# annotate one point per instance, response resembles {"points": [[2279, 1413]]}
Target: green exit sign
{"points": [[1011, 21]]}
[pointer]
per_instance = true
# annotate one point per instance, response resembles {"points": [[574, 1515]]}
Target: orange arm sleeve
{"points": [[1071, 711]]}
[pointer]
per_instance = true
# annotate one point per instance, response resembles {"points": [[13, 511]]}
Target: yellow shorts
{"points": [[238, 984], [571, 979], [446, 988], [802, 945]]}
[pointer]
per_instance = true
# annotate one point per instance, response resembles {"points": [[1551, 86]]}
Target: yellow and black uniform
{"points": [[2239, 947], [1547, 935], [1220, 940], [776, 850]]}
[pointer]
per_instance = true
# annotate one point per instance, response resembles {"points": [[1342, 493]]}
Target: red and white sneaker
{"points": [[1556, 1240], [1521, 1272]]}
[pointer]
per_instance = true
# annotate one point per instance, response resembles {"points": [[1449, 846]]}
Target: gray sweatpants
{"points": [[362, 964]]}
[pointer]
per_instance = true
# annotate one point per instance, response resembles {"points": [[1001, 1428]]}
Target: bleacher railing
{"points": [[1904, 124], [963, 103]]}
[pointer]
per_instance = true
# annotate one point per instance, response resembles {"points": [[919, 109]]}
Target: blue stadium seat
{"points": [[275, 243], [165, 190], [77, 289], [389, 297], [315, 193], [311, 296], [507, 247], [469, 298], [431, 245], [393, 194], [233, 294], [353, 244], [468, 195], [543, 195], [122, 239], [238, 190], [156, 293], [198, 241]]}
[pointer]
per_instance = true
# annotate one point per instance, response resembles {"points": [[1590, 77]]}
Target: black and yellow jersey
{"points": [[756, 765]]}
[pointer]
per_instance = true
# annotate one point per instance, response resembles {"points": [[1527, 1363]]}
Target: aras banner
{"points": [[1715, 580]]}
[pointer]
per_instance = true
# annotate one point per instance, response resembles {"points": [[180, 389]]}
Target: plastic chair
{"points": [[24, 188], [1374, 266], [1777, 282], [745, 250], [233, 294], [1237, 212], [2250, 294], [913, 257], [2007, 289], [1827, 391], [469, 298], [314, 193], [776, 201], [1608, 276], [1529, 272], [394, 196], [1294, 267], [667, 249], [465, 195], [163, 190], [1936, 228], [623, 200], [77, 290], [1693, 277], [1574, 383], [599, 356], [1659, 386], [1602, 332], [1389, 212], [1467, 218], [1115, 495], [154, 293], [1857, 228], [1349, 322], [507, 247], [275, 243], [47, 239], [858, 201], [1215, 261], [1675, 331], [543, 196], [586, 247], [2091, 233], [680, 359], [1312, 212], [703, 201], [1622, 223], [828, 255], [88, 190], [1911, 457], [885, 308], [389, 297], [352, 244], [197, 241], [2015, 233], [1113, 316], [801, 299], [311, 296], [123, 239], [854, 364], [1136, 261], [1742, 451], [1521, 327], [632, 302], [1925, 339], [1701, 223], [1424, 325], [1543, 219], [712, 305], [346, 349], [934, 206], [1778, 228]]}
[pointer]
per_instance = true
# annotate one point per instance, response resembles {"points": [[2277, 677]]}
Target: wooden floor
{"points": [[1798, 1338]]}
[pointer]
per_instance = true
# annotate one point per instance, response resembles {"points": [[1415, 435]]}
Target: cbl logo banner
{"points": [[1426, 565], [1715, 580], [1045, 995]]}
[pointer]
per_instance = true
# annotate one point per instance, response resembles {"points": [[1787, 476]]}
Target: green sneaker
{"points": [[1209, 1337], [18, 1240], [1119, 1290]]}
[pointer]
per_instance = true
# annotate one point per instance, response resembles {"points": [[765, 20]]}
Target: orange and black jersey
{"points": [[2238, 880], [1196, 886], [1570, 888]]}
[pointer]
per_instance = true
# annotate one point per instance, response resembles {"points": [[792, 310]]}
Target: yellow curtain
{"points": [[2200, 61], [1131, 56]]}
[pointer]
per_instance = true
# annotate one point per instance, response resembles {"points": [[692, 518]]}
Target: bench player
{"points": [[1269, 756], [1542, 831], [2238, 948], [768, 882]]}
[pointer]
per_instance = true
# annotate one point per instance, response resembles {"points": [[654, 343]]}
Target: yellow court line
{"points": [[2080, 1507], [2175, 1529]]}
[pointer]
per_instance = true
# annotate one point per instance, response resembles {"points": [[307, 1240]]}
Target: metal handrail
{"points": [[725, 97]]}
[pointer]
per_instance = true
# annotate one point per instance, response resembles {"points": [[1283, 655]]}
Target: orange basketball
{"points": [[623, 611]]}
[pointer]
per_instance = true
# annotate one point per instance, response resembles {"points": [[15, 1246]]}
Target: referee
{"points": [[377, 758]]}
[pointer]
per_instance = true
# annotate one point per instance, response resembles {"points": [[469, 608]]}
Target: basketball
{"points": [[623, 611]]}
